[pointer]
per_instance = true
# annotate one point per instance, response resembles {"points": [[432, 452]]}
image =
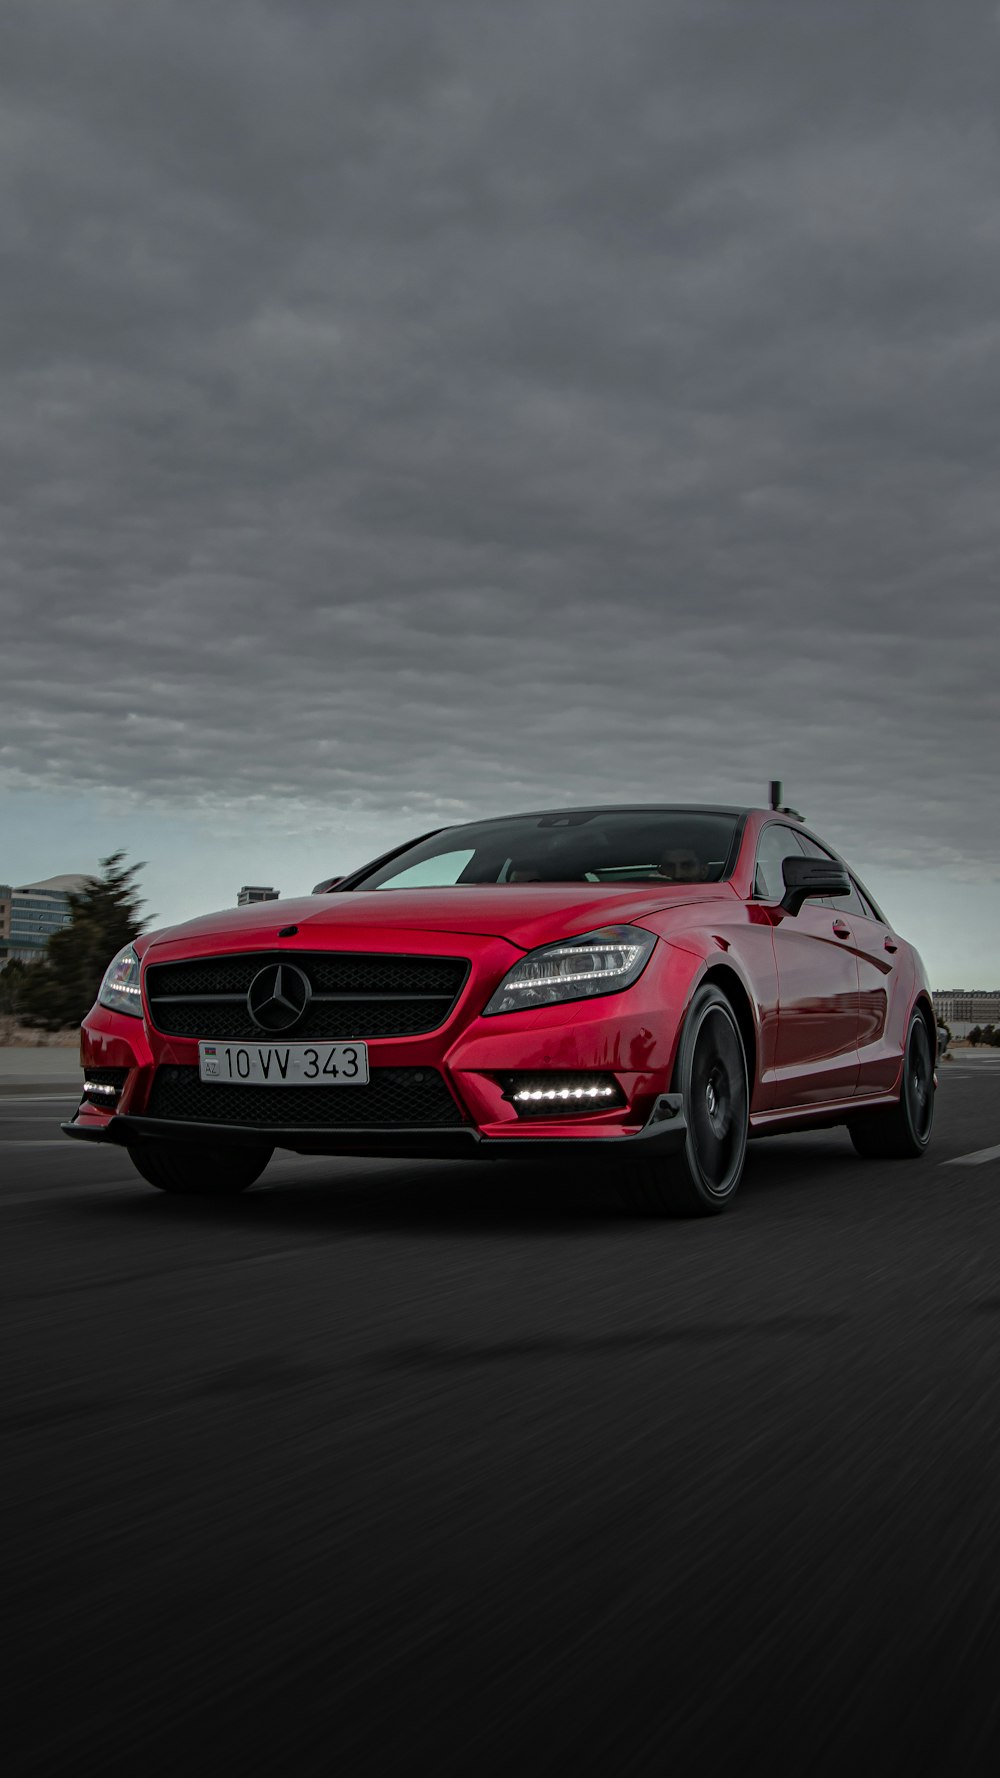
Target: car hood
{"points": [[524, 914]]}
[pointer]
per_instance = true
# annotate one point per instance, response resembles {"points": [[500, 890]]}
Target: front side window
{"points": [[570, 846], [776, 843]]}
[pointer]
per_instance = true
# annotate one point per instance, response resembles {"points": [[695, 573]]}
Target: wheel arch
{"points": [[731, 984], [924, 1005]]}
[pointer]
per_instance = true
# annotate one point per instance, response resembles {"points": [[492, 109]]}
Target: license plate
{"points": [[284, 1064]]}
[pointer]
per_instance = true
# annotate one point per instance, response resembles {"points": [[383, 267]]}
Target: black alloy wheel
{"points": [[902, 1131], [711, 1076], [716, 1101], [193, 1171], [919, 1083]]}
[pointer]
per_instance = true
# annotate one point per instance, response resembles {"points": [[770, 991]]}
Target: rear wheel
{"points": [[195, 1172], [902, 1131], [711, 1076]]}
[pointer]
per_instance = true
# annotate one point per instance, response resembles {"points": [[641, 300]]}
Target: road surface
{"points": [[436, 1468]]}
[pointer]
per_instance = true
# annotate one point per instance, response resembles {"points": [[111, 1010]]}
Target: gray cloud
{"points": [[430, 409]]}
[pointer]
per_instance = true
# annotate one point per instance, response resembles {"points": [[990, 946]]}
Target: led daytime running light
{"points": [[527, 1093], [627, 955]]}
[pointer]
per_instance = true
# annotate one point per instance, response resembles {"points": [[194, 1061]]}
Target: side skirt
{"points": [[819, 1117]]}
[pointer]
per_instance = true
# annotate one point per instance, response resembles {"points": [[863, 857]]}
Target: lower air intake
{"points": [[103, 1086], [394, 1097]]}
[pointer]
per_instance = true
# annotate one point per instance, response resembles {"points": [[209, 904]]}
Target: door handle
{"points": [[841, 930], [891, 944]]}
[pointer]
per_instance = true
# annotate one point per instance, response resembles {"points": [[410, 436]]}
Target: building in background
{"points": [[251, 892], [30, 914], [961, 1008]]}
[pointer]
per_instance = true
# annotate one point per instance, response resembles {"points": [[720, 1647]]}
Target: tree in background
{"points": [[14, 987], [975, 1036], [104, 918]]}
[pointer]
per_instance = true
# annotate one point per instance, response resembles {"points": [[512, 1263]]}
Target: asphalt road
{"points": [[444, 1469]]}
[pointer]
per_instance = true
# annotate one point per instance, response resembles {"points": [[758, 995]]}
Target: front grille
{"points": [[393, 1096], [354, 994]]}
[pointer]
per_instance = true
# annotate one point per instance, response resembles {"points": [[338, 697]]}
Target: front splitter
{"points": [[664, 1132]]}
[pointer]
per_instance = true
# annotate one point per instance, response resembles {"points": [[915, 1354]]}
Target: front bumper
{"points": [[628, 1036], [664, 1132]]}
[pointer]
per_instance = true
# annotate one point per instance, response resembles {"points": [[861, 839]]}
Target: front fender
{"points": [[739, 956]]}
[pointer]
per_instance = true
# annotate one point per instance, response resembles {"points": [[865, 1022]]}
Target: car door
{"points": [[816, 1053], [885, 980]]}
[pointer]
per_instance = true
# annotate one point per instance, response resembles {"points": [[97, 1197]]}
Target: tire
{"points": [[195, 1172], [711, 1075], [902, 1132]]}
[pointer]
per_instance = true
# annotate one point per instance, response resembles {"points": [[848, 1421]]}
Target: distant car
{"points": [[643, 988]]}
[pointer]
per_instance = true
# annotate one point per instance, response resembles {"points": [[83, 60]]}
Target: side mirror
{"points": [[327, 883], [805, 877]]}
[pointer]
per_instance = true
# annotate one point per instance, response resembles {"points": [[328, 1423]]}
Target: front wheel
{"points": [[902, 1131], [711, 1076], [196, 1172]]}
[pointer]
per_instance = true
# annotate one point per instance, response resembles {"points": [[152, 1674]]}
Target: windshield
{"points": [[572, 846]]}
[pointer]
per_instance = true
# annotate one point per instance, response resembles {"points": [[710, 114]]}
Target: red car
{"points": [[642, 987]]}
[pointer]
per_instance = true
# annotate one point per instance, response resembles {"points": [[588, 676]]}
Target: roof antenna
{"points": [[778, 806]]}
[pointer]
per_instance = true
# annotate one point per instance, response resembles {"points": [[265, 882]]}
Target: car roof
{"points": [[611, 809]]}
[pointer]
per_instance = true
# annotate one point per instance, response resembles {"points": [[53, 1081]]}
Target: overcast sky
{"points": [[414, 411]]}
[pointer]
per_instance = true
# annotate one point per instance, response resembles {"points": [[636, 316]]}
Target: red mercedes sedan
{"points": [[643, 988]]}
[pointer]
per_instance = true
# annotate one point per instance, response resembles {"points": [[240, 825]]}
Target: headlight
{"points": [[120, 987], [598, 963]]}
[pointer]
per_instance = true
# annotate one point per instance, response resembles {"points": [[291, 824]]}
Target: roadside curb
{"points": [[36, 1086], [45, 1068]]}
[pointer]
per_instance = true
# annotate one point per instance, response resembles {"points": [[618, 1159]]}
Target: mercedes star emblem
{"points": [[278, 996]]}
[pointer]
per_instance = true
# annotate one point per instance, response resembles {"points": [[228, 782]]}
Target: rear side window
{"points": [[849, 904], [870, 910], [845, 904]]}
